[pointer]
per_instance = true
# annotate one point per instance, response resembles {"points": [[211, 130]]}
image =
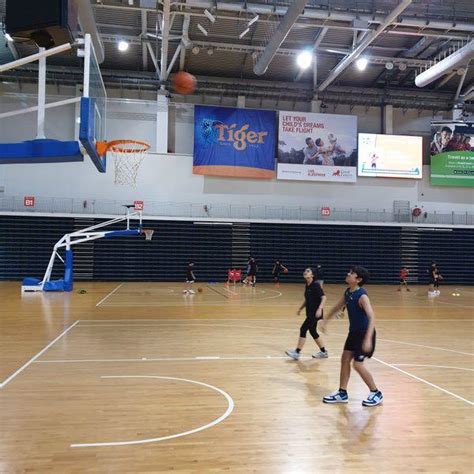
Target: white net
{"points": [[148, 233], [128, 156]]}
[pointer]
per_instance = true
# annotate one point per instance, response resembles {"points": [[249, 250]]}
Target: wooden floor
{"points": [[137, 377]]}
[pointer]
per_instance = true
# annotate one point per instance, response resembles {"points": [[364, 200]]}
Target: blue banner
{"points": [[234, 142]]}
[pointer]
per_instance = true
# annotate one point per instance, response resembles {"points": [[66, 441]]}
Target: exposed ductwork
{"points": [[88, 25], [349, 59], [291, 15], [461, 57]]}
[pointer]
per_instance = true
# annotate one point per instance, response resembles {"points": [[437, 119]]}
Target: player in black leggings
{"points": [[314, 300]]}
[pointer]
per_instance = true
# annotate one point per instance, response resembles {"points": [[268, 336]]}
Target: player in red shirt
{"points": [[403, 278]]}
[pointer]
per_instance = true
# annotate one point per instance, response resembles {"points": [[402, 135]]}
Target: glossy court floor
{"points": [[136, 377]]}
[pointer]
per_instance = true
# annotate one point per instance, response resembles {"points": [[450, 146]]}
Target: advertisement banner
{"points": [[452, 154], [234, 142], [317, 147], [390, 156]]}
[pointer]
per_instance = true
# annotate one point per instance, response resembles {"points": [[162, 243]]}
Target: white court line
{"points": [[426, 347], [230, 408], [110, 294], [173, 359], [290, 329], [424, 381], [434, 366], [444, 320], [231, 292], [33, 359]]}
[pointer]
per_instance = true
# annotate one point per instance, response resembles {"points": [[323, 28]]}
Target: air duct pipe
{"points": [[291, 15], [460, 57], [88, 25]]}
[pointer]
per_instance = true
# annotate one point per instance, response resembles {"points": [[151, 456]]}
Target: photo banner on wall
{"points": [[317, 147], [452, 154], [234, 142]]}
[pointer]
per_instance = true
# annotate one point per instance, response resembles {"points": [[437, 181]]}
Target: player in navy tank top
{"points": [[360, 342]]}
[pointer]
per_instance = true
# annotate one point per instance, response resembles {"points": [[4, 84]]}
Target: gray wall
{"points": [[169, 177]]}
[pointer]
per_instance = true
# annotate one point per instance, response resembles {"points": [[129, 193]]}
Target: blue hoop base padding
{"points": [[55, 285], [29, 281], [40, 151]]}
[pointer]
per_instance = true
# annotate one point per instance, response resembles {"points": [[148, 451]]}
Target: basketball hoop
{"points": [[148, 233], [128, 156]]}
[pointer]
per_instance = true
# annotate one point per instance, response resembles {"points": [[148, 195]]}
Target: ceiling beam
{"points": [[165, 29], [324, 14], [185, 41], [350, 58], [418, 47], [144, 47], [278, 36], [407, 27]]}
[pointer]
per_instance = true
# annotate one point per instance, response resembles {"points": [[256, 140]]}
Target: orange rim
{"points": [[120, 146]]}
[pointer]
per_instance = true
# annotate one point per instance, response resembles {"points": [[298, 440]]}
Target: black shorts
{"points": [[402, 281], [354, 344]]}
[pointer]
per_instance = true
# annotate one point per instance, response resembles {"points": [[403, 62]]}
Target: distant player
{"points": [[435, 278], [319, 275], [403, 279], [360, 342], [247, 278], [233, 275], [252, 275], [373, 161], [278, 269], [314, 300], [190, 279]]}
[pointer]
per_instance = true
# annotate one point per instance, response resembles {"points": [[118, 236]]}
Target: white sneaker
{"points": [[373, 399], [437, 292], [321, 355], [185, 292], [336, 397], [431, 294], [293, 354], [192, 292]]}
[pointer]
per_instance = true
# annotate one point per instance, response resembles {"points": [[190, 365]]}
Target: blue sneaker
{"points": [[336, 397], [374, 399]]}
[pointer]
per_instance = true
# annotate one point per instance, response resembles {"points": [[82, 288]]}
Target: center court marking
{"points": [[230, 408]]}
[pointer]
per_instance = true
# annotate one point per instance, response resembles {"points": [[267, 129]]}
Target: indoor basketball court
{"points": [[188, 189]]}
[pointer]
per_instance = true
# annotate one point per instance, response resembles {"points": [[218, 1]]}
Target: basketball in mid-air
{"points": [[183, 83], [199, 290], [285, 270]]}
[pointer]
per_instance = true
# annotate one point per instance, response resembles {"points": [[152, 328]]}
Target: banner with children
{"points": [[317, 147], [452, 154]]}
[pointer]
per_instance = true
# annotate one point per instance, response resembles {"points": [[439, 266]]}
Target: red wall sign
{"points": [[325, 211], [138, 205], [29, 201]]}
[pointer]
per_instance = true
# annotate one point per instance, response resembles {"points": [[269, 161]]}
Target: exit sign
{"points": [[325, 211], [29, 201]]}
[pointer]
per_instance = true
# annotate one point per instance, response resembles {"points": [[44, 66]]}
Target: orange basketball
{"points": [[199, 290], [184, 83]]}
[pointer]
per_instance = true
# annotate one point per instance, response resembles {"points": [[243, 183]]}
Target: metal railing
{"points": [[76, 206]]}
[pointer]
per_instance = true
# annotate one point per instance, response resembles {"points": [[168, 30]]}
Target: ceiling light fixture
{"points": [[304, 59], [202, 29], [244, 33], [361, 64], [123, 46], [210, 16]]}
